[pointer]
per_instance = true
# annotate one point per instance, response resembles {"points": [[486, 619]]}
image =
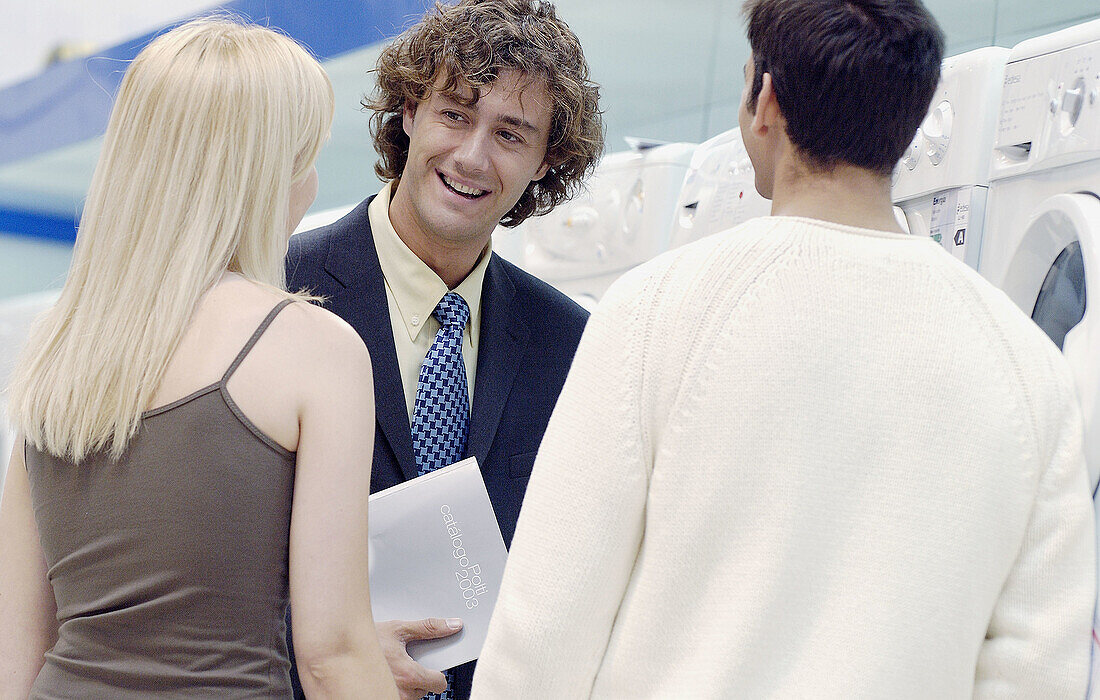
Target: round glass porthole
{"points": [[1061, 302]]}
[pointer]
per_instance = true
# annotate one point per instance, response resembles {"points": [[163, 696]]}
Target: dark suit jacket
{"points": [[529, 332]]}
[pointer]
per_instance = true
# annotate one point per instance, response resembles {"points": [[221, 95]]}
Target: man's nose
{"points": [[472, 156]]}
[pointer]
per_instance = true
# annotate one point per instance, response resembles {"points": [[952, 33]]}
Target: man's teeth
{"points": [[462, 188]]}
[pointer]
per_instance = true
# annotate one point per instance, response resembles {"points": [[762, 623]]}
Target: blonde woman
{"points": [[193, 438]]}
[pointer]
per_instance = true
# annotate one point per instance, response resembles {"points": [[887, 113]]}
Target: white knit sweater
{"points": [[802, 460]]}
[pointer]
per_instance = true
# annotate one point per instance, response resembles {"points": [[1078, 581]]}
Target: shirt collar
{"points": [[415, 287]]}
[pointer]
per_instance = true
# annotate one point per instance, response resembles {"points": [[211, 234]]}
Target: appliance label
{"points": [[951, 219]]}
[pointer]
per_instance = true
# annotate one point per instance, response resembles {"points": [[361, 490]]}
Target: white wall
{"points": [[672, 70]]}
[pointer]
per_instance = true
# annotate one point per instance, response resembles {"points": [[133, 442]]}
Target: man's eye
{"points": [[453, 116], [509, 136]]}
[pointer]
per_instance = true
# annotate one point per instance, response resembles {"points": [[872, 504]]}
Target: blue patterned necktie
{"points": [[441, 411]]}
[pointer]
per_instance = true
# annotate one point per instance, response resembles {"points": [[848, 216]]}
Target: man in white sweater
{"points": [[809, 457]]}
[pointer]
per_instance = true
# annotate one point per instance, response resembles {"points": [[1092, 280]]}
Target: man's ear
{"points": [[541, 172], [407, 115], [768, 114]]}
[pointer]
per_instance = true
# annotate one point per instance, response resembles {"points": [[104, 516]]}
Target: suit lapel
{"points": [[353, 261], [502, 339]]}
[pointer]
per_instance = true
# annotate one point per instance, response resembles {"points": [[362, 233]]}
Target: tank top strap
{"points": [[255, 336]]}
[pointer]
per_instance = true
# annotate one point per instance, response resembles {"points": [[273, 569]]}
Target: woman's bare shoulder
{"points": [[300, 325], [303, 339], [310, 327]]}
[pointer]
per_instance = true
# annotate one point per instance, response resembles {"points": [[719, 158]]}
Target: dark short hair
{"points": [[470, 43], [853, 78]]}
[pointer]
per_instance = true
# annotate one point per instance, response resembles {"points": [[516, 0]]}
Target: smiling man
{"points": [[483, 115], [468, 164]]}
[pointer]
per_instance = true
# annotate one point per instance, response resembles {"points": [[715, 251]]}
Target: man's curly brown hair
{"points": [[472, 41]]}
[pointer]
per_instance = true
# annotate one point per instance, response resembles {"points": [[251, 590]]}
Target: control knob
{"points": [[937, 131]]}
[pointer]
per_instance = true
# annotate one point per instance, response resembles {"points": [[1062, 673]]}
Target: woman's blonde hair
{"points": [[213, 122]]}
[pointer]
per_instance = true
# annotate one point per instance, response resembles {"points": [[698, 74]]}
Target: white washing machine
{"points": [[719, 190], [1043, 234], [942, 182], [622, 218], [323, 218], [1042, 246]]}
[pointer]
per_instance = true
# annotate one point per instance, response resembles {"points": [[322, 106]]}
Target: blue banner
{"points": [[70, 102]]}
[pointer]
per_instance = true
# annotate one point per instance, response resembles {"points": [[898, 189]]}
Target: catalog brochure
{"points": [[436, 551]]}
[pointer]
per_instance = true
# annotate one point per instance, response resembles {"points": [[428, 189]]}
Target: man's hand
{"points": [[413, 680]]}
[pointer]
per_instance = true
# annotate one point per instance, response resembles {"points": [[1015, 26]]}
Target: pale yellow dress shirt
{"points": [[413, 290]]}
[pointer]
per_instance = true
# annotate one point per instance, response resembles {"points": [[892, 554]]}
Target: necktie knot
{"points": [[452, 310]]}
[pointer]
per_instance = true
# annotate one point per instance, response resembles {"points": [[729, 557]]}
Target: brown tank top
{"points": [[169, 567]]}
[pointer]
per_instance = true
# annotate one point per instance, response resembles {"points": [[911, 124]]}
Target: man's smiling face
{"points": [[468, 165]]}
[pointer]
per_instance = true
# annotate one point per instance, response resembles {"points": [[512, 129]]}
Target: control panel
{"points": [[952, 146], [1050, 110]]}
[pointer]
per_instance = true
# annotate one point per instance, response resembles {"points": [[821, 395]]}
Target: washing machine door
{"points": [[1052, 275]]}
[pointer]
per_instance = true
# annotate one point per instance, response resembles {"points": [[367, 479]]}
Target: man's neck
{"points": [[451, 260], [846, 195]]}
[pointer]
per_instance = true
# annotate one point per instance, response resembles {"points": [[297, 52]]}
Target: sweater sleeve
{"points": [[580, 528], [1038, 641]]}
